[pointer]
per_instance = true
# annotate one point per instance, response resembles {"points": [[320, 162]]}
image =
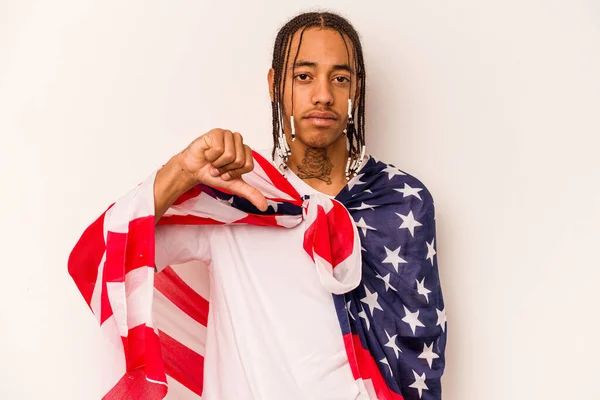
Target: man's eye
{"points": [[342, 79], [302, 77]]}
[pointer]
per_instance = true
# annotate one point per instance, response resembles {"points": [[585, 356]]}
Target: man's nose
{"points": [[322, 92]]}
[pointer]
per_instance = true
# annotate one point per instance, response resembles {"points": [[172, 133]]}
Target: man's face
{"points": [[323, 82]]}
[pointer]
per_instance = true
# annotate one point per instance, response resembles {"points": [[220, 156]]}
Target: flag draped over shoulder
{"points": [[373, 247]]}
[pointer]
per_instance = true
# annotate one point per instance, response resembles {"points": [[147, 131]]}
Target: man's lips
{"points": [[321, 115], [321, 118]]}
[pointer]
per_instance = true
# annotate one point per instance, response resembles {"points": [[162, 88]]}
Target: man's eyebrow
{"points": [[311, 64], [299, 64]]}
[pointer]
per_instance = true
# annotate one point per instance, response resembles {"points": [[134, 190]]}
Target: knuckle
{"points": [[240, 160], [229, 156]]}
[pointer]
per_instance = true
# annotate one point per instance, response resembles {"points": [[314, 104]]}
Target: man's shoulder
{"points": [[403, 182], [266, 153]]}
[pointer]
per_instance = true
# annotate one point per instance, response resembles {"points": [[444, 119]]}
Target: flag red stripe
{"points": [[134, 386], [368, 369], [190, 194], [182, 295], [183, 364], [258, 220], [139, 250], [278, 180], [313, 234], [85, 258], [349, 346], [142, 350], [340, 234], [187, 220]]}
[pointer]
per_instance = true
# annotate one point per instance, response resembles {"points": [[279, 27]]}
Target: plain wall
{"points": [[493, 105]]}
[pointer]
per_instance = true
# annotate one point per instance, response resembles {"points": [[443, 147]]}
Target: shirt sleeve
{"points": [[178, 244]]}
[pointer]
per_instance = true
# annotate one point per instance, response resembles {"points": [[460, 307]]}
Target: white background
{"points": [[493, 105]]}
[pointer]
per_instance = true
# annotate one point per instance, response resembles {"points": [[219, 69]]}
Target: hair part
{"points": [[281, 54]]}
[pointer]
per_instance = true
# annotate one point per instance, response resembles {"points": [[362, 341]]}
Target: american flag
{"points": [[391, 314], [395, 320]]}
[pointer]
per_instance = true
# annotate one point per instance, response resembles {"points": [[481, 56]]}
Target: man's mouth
{"points": [[321, 118]]}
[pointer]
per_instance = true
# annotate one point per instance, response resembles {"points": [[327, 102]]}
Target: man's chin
{"points": [[319, 139]]}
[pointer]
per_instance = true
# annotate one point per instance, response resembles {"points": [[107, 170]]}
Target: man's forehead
{"points": [[321, 47]]}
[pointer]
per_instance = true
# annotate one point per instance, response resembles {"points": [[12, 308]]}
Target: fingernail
{"points": [[214, 172], [226, 176]]}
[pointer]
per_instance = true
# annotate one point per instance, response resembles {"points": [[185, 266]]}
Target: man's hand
{"points": [[218, 159]]}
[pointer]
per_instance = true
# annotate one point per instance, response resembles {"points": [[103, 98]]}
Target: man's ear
{"points": [[270, 79]]}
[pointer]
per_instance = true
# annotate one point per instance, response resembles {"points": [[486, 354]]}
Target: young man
{"points": [[322, 278]]}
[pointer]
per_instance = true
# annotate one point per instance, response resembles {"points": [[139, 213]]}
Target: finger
{"points": [[213, 142], [241, 188], [240, 155], [228, 155], [247, 167]]}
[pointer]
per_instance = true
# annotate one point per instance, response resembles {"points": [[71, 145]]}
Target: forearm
{"points": [[170, 183]]}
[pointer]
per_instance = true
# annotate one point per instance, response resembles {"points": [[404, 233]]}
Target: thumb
{"points": [[241, 188]]}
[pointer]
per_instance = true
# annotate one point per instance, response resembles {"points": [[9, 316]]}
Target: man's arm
{"points": [[170, 183]]}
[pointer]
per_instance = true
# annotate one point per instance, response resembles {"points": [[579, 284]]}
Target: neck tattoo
{"points": [[315, 164]]}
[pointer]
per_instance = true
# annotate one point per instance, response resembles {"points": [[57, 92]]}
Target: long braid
{"points": [[350, 129], [294, 63], [281, 53]]}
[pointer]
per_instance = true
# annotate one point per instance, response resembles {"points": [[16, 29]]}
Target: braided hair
{"points": [[281, 53]]}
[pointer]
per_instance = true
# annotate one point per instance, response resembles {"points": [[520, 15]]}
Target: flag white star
{"points": [[412, 319], [441, 318], [430, 250], [363, 314], [392, 344], [228, 201], [393, 257], [428, 354], [385, 361], [386, 281], [371, 300], [363, 206], [410, 191], [391, 171], [364, 226], [348, 309], [362, 192], [421, 289], [273, 204], [419, 383], [355, 181], [409, 222]]}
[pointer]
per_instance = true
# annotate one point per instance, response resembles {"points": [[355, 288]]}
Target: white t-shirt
{"points": [[273, 332]]}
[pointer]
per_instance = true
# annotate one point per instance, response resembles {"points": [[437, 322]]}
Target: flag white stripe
{"points": [[196, 275], [177, 324], [177, 391]]}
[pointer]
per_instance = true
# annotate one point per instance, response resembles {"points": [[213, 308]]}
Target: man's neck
{"points": [[322, 169]]}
